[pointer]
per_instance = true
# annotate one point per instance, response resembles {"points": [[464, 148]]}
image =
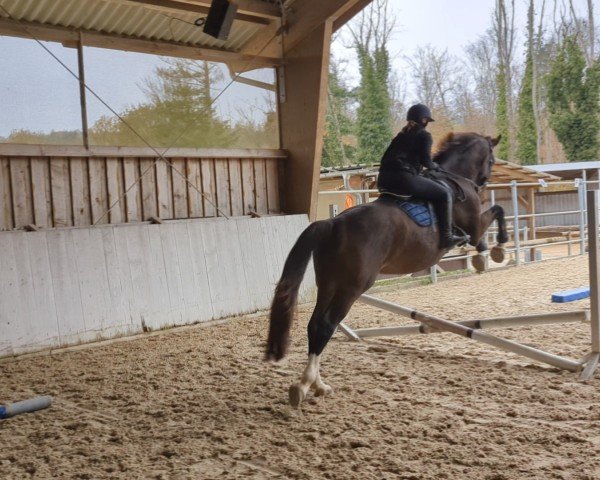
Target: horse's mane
{"points": [[453, 143], [443, 143]]}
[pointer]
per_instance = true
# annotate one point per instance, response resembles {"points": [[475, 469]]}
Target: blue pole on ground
{"points": [[25, 406]]}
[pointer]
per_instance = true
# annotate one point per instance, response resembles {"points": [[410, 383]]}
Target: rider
{"points": [[401, 166]]}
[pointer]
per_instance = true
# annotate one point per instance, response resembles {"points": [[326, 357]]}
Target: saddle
{"points": [[420, 211]]}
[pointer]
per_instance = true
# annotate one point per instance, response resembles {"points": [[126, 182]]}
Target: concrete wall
{"points": [[66, 286]]}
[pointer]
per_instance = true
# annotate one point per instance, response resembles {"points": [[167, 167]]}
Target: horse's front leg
{"points": [[496, 212]]}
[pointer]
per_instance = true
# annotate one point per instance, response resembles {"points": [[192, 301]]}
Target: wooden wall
{"points": [[66, 286], [56, 186]]}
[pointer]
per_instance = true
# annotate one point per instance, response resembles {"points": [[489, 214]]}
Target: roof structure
{"points": [[502, 172], [170, 27], [571, 170]]}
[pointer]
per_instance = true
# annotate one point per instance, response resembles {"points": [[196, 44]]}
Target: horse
{"points": [[350, 250]]}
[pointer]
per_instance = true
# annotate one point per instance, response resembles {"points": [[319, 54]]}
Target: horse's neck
{"points": [[454, 165]]}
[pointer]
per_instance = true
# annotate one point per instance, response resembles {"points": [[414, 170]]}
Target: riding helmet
{"points": [[418, 112]]}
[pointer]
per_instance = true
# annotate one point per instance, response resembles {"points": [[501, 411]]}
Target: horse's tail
{"points": [[286, 293]]}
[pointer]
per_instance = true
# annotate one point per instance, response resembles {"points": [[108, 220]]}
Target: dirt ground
{"points": [[200, 403]]}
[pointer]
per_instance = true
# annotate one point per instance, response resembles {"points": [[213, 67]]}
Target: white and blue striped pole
{"points": [[25, 406]]}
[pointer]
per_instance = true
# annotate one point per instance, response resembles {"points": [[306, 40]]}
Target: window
{"points": [[39, 99]]}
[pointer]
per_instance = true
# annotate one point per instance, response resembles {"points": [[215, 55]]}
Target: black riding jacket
{"points": [[410, 151]]}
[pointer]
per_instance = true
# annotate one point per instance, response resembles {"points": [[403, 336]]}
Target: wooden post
{"points": [[515, 205], [333, 210], [531, 210], [82, 97], [581, 200], [592, 217], [302, 118]]}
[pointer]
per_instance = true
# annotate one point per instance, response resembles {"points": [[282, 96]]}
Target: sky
{"points": [[446, 24], [38, 94]]}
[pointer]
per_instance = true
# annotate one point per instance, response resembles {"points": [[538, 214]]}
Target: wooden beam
{"points": [[514, 173], [26, 150], [271, 87], [523, 201], [82, 92], [70, 37], [349, 14], [257, 8], [267, 42], [302, 119], [302, 19], [310, 14], [199, 8]]}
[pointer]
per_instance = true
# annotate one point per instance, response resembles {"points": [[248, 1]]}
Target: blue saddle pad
{"points": [[419, 211]]}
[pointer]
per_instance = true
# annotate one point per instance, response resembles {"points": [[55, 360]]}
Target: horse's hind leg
{"points": [[321, 327]]}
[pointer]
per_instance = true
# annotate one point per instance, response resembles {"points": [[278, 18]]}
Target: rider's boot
{"points": [[447, 237]]}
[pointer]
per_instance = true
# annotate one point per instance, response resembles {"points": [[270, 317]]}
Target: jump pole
{"points": [[477, 335], [25, 406], [483, 324]]}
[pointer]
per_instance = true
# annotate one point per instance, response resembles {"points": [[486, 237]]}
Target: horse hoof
{"points": [[497, 253], [296, 395], [478, 262], [323, 390]]}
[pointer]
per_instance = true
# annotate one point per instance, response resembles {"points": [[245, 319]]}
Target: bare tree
{"points": [[534, 43], [373, 27], [591, 28], [398, 97], [481, 65], [505, 34], [434, 73], [569, 22], [465, 111]]}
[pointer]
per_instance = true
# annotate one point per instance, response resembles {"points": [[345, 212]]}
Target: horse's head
{"points": [[469, 155]]}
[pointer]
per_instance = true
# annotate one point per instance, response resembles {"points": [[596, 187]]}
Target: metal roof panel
{"points": [[120, 17]]}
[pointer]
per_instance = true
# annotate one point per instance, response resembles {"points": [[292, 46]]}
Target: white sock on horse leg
{"points": [[311, 372]]}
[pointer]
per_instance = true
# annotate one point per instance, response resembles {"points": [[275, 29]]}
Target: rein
{"points": [[443, 176], [477, 188]]}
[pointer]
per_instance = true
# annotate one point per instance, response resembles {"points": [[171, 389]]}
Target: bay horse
{"points": [[350, 250]]}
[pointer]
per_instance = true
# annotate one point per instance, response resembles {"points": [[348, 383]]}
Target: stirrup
{"points": [[465, 239], [465, 235]]}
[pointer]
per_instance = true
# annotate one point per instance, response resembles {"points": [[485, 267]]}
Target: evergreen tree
{"points": [[340, 125], [526, 133], [179, 104], [573, 95], [374, 120], [502, 125]]}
